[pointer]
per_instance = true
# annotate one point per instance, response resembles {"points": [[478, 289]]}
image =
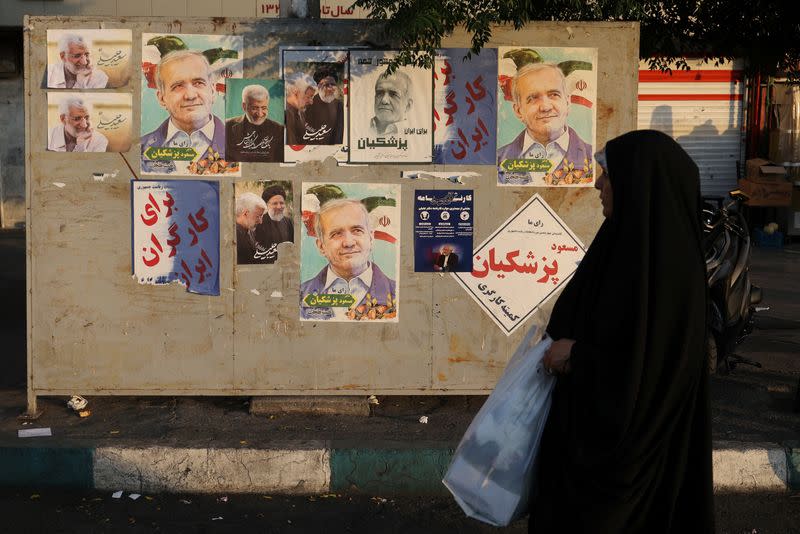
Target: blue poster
{"points": [[465, 107], [175, 226], [443, 230]]}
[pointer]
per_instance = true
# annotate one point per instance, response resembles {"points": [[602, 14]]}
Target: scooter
{"points": [[733, 299]]}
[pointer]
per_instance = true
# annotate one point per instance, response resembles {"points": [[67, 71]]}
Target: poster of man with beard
{"points": [[316, 108], [254, 125], [263, 220], [89, 122], [325, 115], [88, 59]]}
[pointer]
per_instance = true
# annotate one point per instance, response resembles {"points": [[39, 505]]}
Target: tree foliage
{"points": [[765, 33]]}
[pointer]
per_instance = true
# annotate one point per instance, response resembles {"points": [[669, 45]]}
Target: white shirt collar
{"points": [[394, 128], [365, 277], [562, 141], [207, 130]]}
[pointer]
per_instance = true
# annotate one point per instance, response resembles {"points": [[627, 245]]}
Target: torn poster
{"points": [[316, 103], [175, 226], [465, 107]]}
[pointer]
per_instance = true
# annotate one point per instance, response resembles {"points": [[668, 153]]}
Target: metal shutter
{"points": [[702, 109]]}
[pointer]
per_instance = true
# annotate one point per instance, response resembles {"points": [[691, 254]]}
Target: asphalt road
{"points": [[32, 511]]}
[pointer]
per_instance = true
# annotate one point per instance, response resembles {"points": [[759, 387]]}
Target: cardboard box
{"points": [[767, 194], [764, 171]]}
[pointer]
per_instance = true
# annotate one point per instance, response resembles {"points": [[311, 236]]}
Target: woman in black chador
{"points": [[627, 446]]}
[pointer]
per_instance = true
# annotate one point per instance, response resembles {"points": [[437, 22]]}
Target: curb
{"points": [[318, 469]]}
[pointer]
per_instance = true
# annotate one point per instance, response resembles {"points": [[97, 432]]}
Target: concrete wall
{"points": [[93, 329], [12, 153]]}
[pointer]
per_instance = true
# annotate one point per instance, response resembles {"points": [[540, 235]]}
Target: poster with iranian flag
{"points": [[546, 116], [350, 252]]}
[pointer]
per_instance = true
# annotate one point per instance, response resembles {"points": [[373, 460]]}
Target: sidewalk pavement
{"points": [[214, 444]]}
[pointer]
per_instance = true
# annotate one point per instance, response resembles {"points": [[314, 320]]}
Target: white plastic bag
{"points": [[492, 469]]}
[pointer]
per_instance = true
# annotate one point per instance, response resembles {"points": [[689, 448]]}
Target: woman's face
{"points": [[603, 184]]}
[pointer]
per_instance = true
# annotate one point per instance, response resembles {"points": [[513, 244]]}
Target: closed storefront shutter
{"points": [[702, 109]]}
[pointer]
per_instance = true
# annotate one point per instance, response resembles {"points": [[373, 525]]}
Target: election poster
{"points": [[464, 107], [88, 59], [443, 227], [183, 103], [316, 103], [546, 116], [522, 264], [89, 122], [394, 120], [350, 252], [175, 227], [263, 220], [254, 120]]}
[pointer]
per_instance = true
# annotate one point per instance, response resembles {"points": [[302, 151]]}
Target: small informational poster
{"points": [[394, 118], [316, 103], [175, 226], [522, 264], [183, 102], [443, 228], [254, 120], [546, 116], [465, 107], [88, 59], [350, 252], [263, 219], [89, 122]]}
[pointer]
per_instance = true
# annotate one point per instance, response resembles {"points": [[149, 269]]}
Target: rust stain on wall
{"points": [[604, 112], [462, 354]]}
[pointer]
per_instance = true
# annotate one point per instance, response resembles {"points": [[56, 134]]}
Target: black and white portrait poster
{"points": [[392, 117]]}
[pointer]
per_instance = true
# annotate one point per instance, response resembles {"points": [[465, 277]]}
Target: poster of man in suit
{"points": [[546, 117], [350, 252], [182, 103], [264, 219]]}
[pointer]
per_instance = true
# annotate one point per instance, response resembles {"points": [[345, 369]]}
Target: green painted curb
{"points": [[46, 467], [389, 471]]}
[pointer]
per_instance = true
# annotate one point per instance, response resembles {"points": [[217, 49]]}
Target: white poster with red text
{"points": [[522, 264]]}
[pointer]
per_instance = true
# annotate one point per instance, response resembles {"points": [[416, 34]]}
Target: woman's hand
{"points": [[556, 358]]}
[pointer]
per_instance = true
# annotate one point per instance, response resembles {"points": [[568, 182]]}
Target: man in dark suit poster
{"points": [[447, 260], [253, 136]]}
